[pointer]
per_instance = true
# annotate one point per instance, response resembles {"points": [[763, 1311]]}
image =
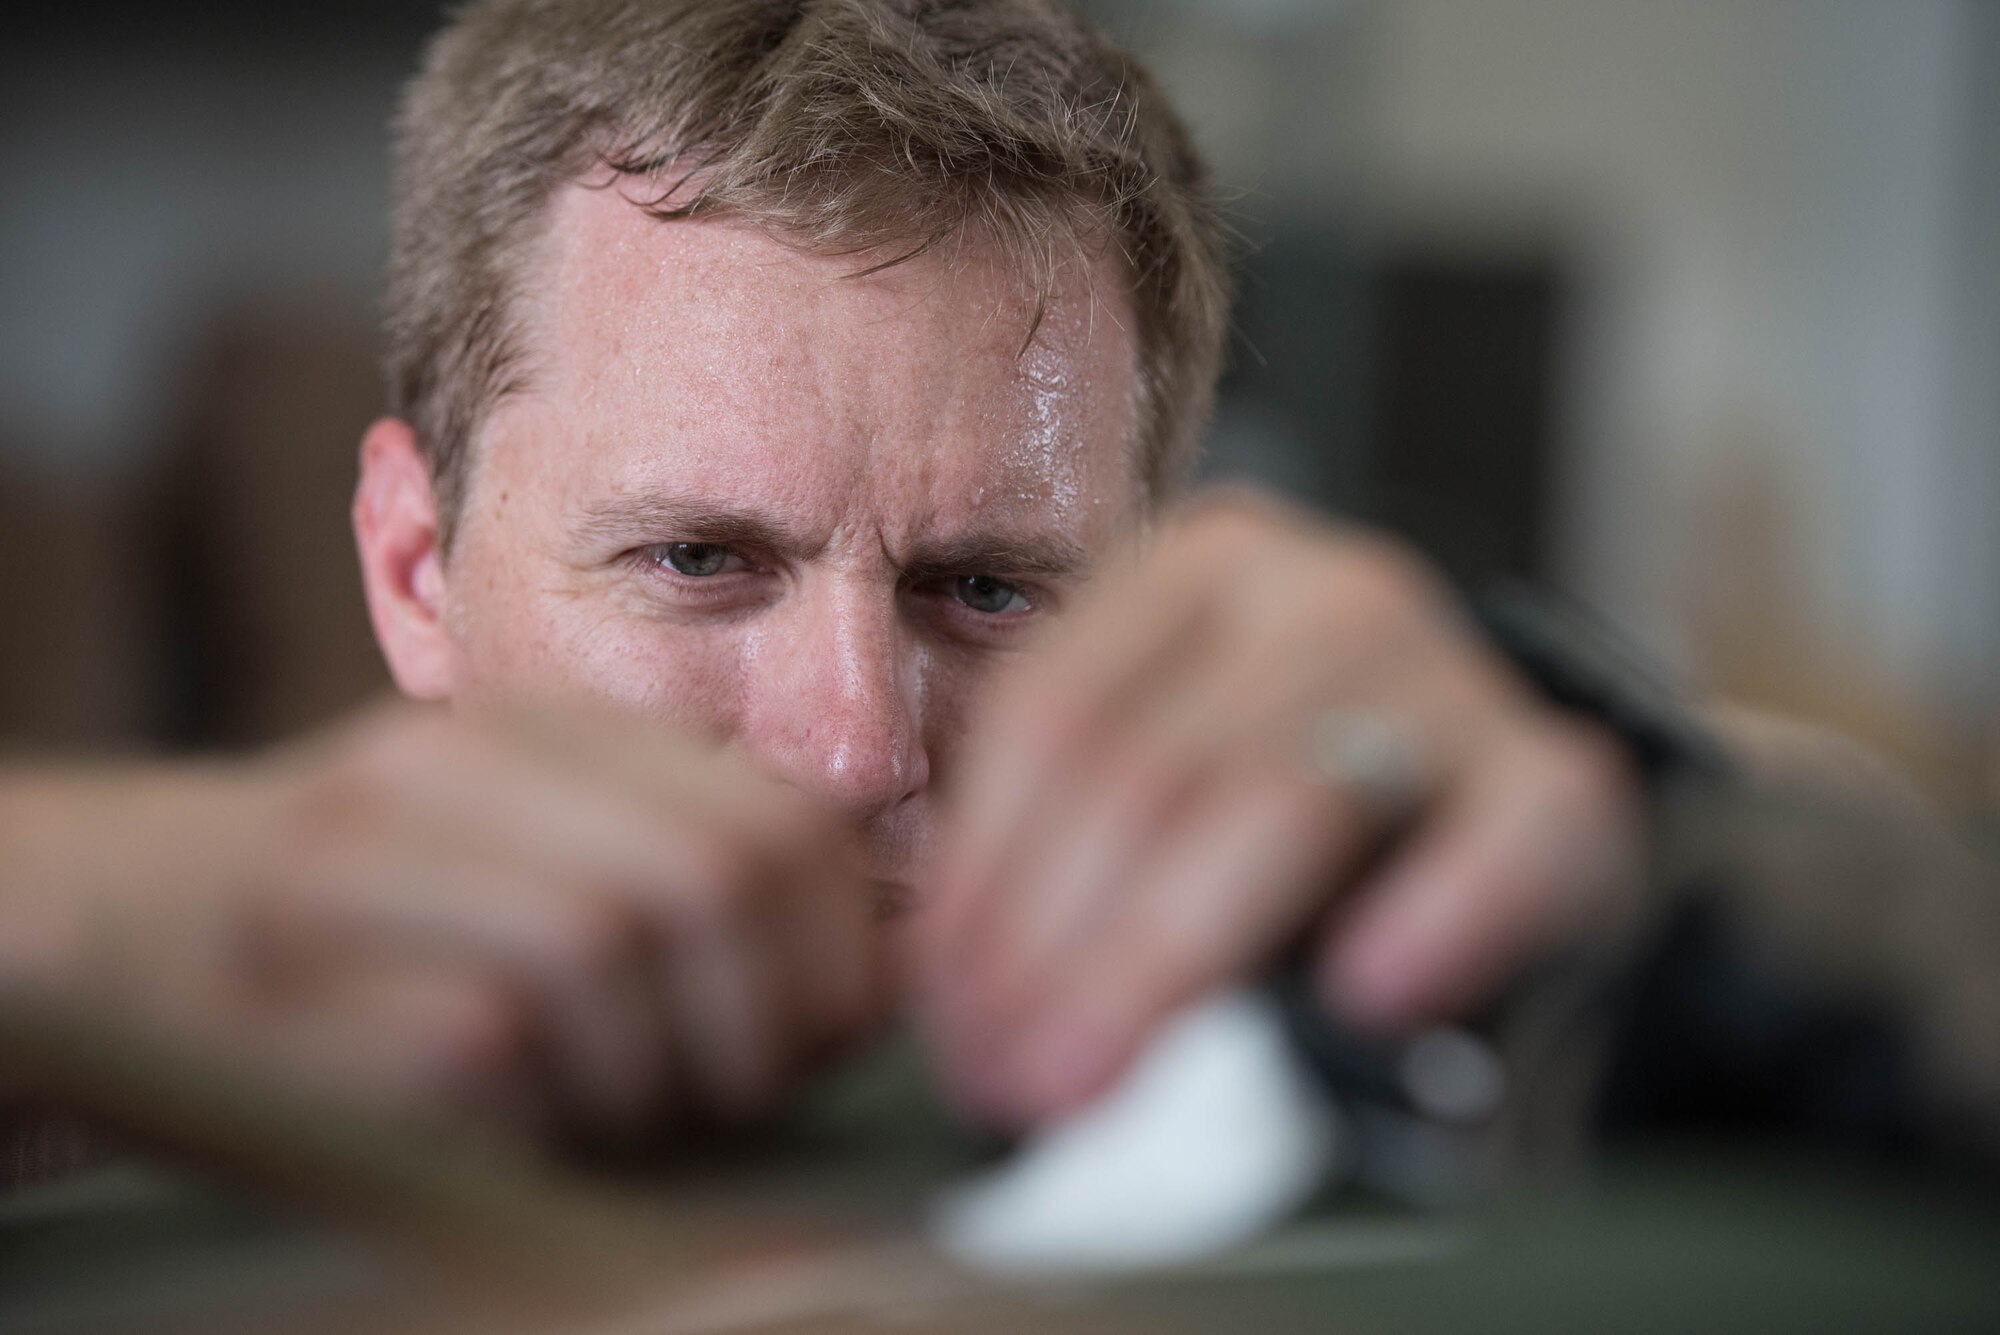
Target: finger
{"points": [[833, 955], [1080, 866], [1244, 875], [1080, 857], [1093, 815], [610, 816], [775, 950], [650, 809], [580, 963], [1316, 625], [1523, 847], [428, 1045], [807, 914], [1087, 854], [726, 996], [1039, 725], [810, 902]]}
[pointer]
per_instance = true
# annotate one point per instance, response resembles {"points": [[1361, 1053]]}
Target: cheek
{"points": [[689, 679], [524, 626], [555, 646]]}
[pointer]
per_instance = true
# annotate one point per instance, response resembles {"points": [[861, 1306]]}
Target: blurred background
{"points": [[1690, 308]]}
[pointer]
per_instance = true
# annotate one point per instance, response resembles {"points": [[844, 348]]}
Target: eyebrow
{"points": [[654, 518], [1043, 556]]}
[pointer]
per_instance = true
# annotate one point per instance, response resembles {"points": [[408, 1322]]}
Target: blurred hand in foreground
{"points": [[1267, 730], [581, 928]]}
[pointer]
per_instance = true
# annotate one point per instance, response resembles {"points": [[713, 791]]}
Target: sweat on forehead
{"points": [[844, 125], [704, 353], [623, 311]]}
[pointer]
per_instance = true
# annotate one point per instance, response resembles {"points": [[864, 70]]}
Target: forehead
{"points": [[706, 355]]}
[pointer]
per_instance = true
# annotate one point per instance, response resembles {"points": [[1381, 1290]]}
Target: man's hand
{"points": [[1140, 818], [581, 927]]}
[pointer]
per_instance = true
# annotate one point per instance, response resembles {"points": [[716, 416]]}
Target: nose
{"points": [[836, 704]]}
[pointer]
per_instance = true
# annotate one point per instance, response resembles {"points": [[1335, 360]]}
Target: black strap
{"points": [[1579, 664]]}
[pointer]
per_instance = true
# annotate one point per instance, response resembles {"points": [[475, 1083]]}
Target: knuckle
{"points": [[1383, 580], [791, 829], [861, 1002], [729, 875], [729, 866], [1311, 815], [1222, 528], [267, 925], [1062, 705], [591, 934], [1142, 794], [1591, 763], [787, 820], [1167, 963], [476, 1044], [333, 807], [1232, 511], [340, 793]]}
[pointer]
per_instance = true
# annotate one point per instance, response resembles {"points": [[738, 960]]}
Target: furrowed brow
{"points": [[1043, 556], [652, 518]]}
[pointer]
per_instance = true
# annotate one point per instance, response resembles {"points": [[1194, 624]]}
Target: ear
{"points": [[402, 568]]}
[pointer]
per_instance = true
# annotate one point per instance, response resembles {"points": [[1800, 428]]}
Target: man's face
{"points": [[754, 496]]}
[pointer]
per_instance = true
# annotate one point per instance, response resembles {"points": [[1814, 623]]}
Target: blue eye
{"points": [[697, 560], [993, 597]]}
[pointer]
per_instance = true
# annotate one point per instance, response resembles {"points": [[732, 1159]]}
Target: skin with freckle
{"points": [[768, 502], [798, 525], [865, 420], [808, 520], [732, 610]]}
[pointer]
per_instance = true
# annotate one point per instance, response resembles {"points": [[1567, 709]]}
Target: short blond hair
{"points": [[864, 127]]}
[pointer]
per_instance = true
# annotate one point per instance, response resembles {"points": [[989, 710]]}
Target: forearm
{"points": [[75, 842], [1839, 856], [79, 846], [1839, 948]]}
